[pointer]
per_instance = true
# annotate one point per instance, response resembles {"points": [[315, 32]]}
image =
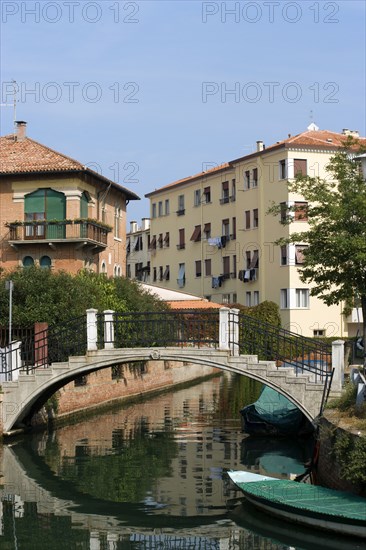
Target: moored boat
{"points": [[310, 505], [274, 415]]}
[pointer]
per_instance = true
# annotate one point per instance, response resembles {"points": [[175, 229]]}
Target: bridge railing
{"points": [[184, 328]]}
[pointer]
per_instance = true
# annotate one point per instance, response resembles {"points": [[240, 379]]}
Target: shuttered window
{"points": [[300, 167]]}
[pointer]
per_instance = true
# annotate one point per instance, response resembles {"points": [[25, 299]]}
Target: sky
{"points": [[148, 92]]}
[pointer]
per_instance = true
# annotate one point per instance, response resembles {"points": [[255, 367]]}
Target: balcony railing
{"points": [[64, 230]]}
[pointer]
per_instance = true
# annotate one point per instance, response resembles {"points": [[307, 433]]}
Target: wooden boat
{"points": [[310, 505]]}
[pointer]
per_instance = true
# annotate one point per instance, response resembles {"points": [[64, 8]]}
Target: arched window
{"points": [[43, 204], [45, 262], [28, 261], [84, 202], [103, 267]]}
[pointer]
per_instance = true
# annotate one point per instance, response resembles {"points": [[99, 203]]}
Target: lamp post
{"points": [[9, 285]]}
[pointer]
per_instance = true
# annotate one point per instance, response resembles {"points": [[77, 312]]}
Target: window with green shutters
{"points": [[44, 204]]}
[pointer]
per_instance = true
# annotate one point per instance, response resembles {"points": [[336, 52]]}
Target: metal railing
{"points": [[184, 328], [62, 230]]}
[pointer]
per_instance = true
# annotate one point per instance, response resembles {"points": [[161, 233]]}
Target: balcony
{"points": [[81, 231]]}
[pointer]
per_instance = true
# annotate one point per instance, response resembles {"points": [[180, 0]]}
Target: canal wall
{"points": [[338, 456], [117, 384]]}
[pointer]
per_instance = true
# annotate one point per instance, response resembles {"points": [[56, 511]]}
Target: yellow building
{"points": [[212, 233], [57, 213]]}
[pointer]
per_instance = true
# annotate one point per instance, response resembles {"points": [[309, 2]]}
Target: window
{"points": [[247, 219], [283, 212], [302, 297], [301, 211], [180, 210], [166, 240], [235, 298], [45, 262], [44, 204], [233, 235], [282, 165], [138, 243], [226, 266], [181, 275], [160, 272], [234, 266], [166, 275], [248, 299], [208, 268], [255, 218], [117, 217], [319, 332], [224, 192], [248, 259], [300, 167], [84, 204], [153, 210], [225, 299], [299, 254], [167, 207], [233, 190], [255, 177], [128, 271], [196, 235], [160, 208], [247, 179], [198, 265], [284, 298], [197, 197], [103, 267], [28, 261], [154, 274], [181, 244], [160, 240], [255, 298], [138, 269], [152, 245], [284, 255], [207, 195], [207, 230], [255, 260], [226, 228]]}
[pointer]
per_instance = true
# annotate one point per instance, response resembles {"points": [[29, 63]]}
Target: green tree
{"points": [[335, 255]]}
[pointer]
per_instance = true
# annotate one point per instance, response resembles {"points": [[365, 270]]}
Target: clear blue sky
{"points": [[141, 89]]}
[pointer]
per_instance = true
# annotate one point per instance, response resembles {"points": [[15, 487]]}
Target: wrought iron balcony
{"points": [[62, 231]]}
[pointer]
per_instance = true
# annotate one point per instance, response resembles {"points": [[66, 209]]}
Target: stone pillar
{"points": [[234, 331], [15, 360], [108, 329], [224, 329], [91, 329], [338, 364]]}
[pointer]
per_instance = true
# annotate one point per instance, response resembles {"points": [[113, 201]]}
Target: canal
{"points": [[150, 475]]}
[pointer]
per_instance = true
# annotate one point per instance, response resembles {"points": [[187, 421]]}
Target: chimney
{"points": [[20, 130], [353, 133], [260, 145], [133, 227], [145, 224]]}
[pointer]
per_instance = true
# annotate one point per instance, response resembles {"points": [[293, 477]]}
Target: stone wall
{"points": [[329, 472], [124, 382]]}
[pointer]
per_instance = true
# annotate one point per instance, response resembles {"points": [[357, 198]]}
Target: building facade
{"points": [[138, 251], [214, 236], [56, 213]]}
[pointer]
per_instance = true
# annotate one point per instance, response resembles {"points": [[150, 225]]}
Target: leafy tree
{"points": [[335, 255], [55, 297]]}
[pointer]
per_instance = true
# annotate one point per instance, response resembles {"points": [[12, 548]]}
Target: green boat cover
{"points": [[272, 406], [311, 498]]}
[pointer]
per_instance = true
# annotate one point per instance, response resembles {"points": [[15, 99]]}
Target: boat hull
{"points": [[304, 504]]}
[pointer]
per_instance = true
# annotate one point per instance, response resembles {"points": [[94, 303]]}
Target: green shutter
{"points": [[55, 205], [83, 206], [35, 202]]}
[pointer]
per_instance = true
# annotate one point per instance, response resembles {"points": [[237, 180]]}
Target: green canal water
{"points": [[150, 475]]}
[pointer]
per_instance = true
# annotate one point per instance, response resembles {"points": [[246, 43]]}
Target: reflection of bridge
{"points": [[299, 368]]}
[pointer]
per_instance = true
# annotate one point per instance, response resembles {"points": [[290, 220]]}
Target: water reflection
{"points": [[150, 475]]}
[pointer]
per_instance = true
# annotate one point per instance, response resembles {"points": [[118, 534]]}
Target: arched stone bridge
{"points": [[302, 374]]}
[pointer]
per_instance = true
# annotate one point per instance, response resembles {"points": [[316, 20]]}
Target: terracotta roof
{"points": [[194, 304], [316, 139], [219, 168], [27, 156]]}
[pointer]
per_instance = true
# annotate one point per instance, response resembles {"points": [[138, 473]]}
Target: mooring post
{"points": [[234, 331], [338, 364], [108, 329], [224, 329], [91, 329]]}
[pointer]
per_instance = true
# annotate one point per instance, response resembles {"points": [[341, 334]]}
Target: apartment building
{"points": [[212, 233], [56, 213], [138, 251]]}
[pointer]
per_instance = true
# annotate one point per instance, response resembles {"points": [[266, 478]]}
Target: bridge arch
{"points": [[47, 381]]}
